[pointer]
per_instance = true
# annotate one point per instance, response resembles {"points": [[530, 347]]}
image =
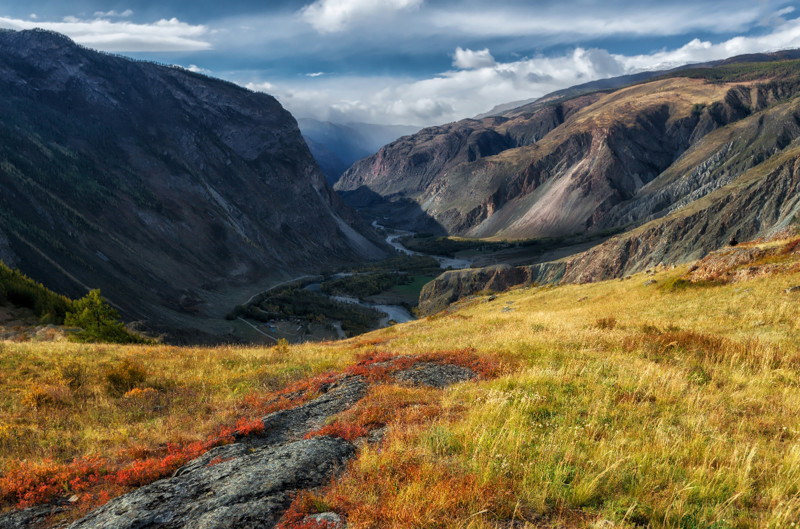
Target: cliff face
{"points": [[734, 175], [761, 201], [162, 187], [591, 163]]}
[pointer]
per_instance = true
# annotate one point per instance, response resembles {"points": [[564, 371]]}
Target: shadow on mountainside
{"points": [[394, 211]]}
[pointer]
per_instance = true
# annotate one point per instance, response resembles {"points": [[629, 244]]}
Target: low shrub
{"points": [[123, 377]]}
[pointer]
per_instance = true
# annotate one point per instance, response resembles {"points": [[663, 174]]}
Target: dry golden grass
{"points": [[637, 404]]}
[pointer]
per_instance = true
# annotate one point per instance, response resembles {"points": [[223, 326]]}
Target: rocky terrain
{"points": [[176, 194], [677, 166], [583, 163], [251, 482]]}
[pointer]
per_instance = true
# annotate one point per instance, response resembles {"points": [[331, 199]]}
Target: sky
{"points": [[415, 62]]}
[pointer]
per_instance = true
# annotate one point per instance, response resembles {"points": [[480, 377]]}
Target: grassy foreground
{"points": [[651, 401]]}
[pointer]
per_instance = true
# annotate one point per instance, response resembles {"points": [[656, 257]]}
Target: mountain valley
{"points": [[176, 194], [580, 311]]}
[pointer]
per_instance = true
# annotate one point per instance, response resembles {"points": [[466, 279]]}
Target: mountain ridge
{"points": [[169, 190], [662, 162]]}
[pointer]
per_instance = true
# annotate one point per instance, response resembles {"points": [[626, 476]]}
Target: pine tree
{"points": [[98, 320]]}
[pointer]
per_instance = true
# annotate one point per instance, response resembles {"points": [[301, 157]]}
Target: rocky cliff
{"points": [[176, 194], [693, 176], [572, 164]]}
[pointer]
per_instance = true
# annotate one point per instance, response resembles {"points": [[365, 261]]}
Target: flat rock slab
{"points": [[28, 518], [246, 484], [435, 375], [249, 492]]}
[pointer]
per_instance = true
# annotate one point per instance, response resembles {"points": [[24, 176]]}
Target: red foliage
{"points": [[218, 460], [246, 426], [301, 507], [30, 484], [348, 432], [96, 480]]}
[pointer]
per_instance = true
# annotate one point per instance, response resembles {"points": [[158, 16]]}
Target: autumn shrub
{"points": [[74, 374], [348, 432], [125, 376], [40, 395], [606, 323]]}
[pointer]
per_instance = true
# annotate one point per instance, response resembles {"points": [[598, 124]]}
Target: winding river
{"points": [[393, 238], [396, 313]]}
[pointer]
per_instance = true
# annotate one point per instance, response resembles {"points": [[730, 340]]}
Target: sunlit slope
{"points": [[668, 399], [603, 161]]}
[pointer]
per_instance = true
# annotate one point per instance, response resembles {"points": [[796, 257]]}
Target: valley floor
{"points": [[669, 399]]}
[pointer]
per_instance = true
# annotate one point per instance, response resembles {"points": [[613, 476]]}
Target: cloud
{"points": [[329, 16], [113, 14], [315, 74], [468, 59], [33, 16], [777, 18], [123, 36], [479, 85], [263, 86], [592, 21], [196, 69]]}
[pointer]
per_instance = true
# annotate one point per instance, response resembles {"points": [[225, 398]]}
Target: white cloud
{"points": [[315, 74], [328, 16], [33, 16], [196, 69], [468, 59], [566, 24], [463, 93], [121, 36], [113, 13], [260, 87]]}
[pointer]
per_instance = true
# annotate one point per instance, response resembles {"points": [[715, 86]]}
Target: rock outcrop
{"points": [[250, 483]]}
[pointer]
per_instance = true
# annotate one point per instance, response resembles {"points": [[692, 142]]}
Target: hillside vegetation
{"points": [[668, 399], [18, 289]]}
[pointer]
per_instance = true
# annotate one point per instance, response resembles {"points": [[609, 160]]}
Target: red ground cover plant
{"points": [[96, 480], [303, 505], [348, 432]]}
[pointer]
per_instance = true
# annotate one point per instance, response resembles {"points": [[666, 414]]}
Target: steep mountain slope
{"points": [[739, 182], [337, 146], [574, 165], [170, 191]]}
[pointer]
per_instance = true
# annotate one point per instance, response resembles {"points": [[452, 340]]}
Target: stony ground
{"points": [[251, 482]]}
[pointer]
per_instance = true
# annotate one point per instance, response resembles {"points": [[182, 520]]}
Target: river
{"points": [[396, 313], [393, 238]]}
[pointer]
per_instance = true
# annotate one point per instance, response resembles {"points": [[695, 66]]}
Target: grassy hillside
{"points": [[669, 399]]}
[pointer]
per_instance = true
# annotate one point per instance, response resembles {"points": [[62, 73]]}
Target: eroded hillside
{"points": [[593, 163]]}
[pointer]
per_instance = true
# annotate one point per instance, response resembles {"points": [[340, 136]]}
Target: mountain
{"points": [[676, 166], [176, 194], [565, 165], [336, 146]]}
